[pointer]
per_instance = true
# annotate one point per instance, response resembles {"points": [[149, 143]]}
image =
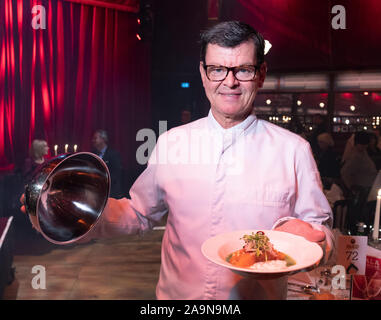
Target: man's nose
{"points": [[230, 80]]}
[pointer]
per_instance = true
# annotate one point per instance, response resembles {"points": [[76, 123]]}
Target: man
{"points": [[112, 160], [359, 170], [228, 171]]}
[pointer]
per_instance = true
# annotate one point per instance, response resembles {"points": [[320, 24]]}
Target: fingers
{"points": [[315, 236], [22, 201], [33, 219], [302, 228]]}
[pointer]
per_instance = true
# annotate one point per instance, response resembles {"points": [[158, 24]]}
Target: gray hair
{"points": [[103, 134], [230, 34]]}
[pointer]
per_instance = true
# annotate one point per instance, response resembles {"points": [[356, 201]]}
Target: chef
{"points": [[243, 173]]}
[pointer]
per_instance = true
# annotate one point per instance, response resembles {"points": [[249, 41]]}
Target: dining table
{"points": [[317, 284]]}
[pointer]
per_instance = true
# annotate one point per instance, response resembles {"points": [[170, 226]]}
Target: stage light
{"points": [[268, 101], [321, 104], [299, 103], [366, 93], [353, 108], [145, 23]]}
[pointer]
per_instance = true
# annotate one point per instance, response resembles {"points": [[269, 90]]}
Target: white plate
{"points": [[306, 254]]}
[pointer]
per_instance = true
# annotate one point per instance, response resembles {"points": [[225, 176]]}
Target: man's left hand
{"points": [[302, 228]]}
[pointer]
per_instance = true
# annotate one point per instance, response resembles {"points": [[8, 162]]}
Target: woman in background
{"points": [[38, 150]]}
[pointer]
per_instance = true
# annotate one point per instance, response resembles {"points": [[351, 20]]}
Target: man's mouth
{"points": [[230, 93]]}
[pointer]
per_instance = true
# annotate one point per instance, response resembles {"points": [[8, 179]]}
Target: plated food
{"points": [[262, 253], [259, 253]]}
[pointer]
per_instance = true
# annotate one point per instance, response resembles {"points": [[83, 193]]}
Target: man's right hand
{"points": [[33, 219], [22, 200]]}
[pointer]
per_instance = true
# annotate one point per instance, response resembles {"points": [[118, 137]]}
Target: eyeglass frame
{"points": [[256, 69]]}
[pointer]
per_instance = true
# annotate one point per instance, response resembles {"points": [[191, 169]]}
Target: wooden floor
{"points": [[121, 268]]}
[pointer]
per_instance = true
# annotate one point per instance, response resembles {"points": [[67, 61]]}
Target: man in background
{"points": [[359, 170], [112, 159]]}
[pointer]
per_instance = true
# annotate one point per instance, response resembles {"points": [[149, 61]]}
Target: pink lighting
{"points": [[347, 95]]}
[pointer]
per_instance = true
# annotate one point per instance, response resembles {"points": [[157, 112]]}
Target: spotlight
{"points": [[268, 101], [321, 104], [299, 103], [145, 22]]}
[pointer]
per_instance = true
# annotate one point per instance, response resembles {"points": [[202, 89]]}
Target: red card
{"points": [[368, 286]]}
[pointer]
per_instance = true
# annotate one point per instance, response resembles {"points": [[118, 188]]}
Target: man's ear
{"points": [[262, 74]]}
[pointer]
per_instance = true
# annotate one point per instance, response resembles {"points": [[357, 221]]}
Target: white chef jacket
{"points": [[212, 180]]}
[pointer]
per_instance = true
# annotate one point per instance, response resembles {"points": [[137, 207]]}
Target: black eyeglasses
{"points": [[241, 73]]}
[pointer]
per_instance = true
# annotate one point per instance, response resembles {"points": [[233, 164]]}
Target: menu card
{"points": [[351, 253]]}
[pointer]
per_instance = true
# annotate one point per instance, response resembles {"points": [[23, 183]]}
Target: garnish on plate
{"points": [[258, 249]]}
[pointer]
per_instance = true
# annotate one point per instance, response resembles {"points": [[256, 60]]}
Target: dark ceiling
{"points": [[302, 35]]}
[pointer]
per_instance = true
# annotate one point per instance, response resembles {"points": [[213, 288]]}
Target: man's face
{"points": [[232, 100], [98, 141]]}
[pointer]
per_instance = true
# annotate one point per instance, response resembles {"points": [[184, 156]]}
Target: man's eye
{"points": [[217, 70], [244, 70]]}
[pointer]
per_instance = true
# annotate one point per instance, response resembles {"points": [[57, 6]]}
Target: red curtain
{"points": [[126, 5], [86, 70]]}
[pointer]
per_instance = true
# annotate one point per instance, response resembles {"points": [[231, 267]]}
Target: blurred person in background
{"points": [[112, 159], [359, 170], [349, 147], [327, 160], [37, 156], [320, 126], [374, 150]]}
